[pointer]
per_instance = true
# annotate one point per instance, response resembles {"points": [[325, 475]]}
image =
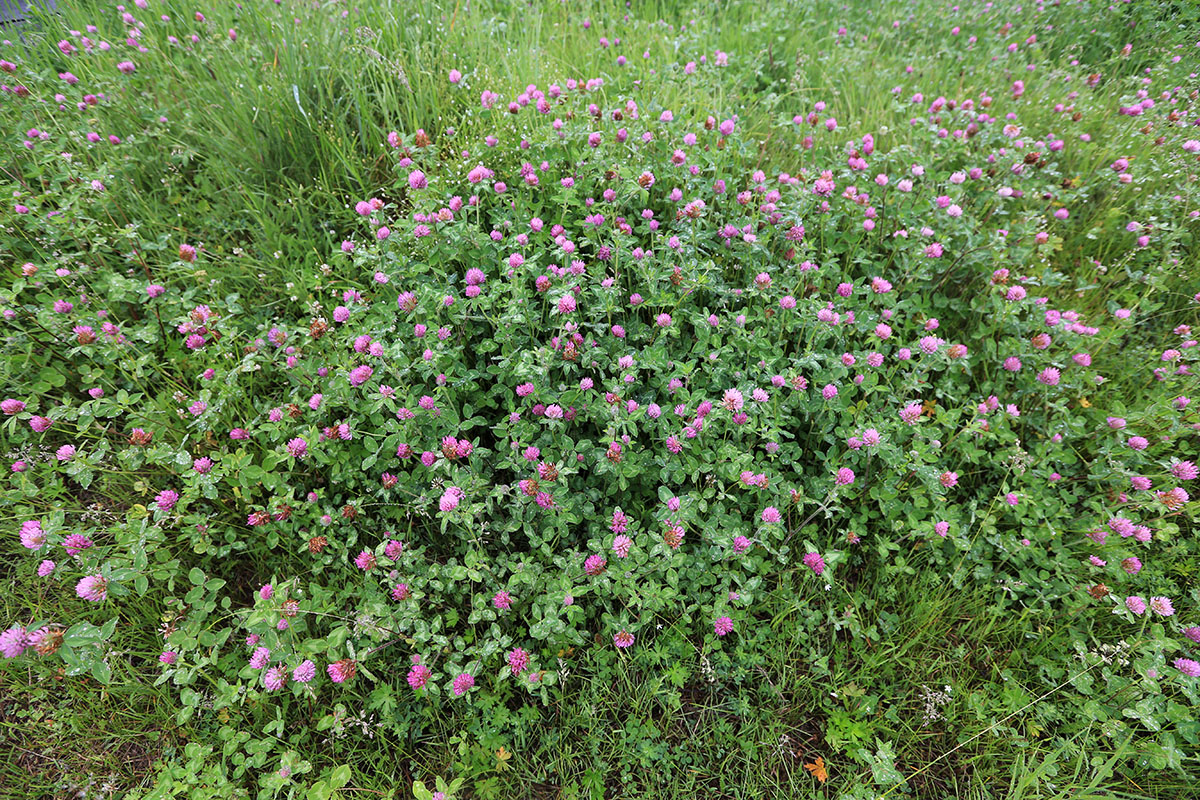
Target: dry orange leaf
{"points": [[817, 768]]}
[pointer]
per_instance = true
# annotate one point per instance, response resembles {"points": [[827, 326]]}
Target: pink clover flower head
{"points": [[93, 588], [621, 545], [463, 683], [1188, 667], [11, 406], [451, 498], [911, 413], [342, 671], [419, 676], [32, 535], [1162, 606], [275, 678], [365, 561], [594, 564], [518, 660], [1184, 470], [13, 642], [260, 658], [1049, 376], [304, 672], [76, 543]]}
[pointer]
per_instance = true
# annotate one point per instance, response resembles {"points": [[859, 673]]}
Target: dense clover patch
{"points": [[598, 379]]}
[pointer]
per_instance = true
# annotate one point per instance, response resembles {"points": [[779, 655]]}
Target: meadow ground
{"points": [[587, 400]]}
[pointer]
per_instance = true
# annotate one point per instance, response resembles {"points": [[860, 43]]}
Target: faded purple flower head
{"points": [[342, 671]]}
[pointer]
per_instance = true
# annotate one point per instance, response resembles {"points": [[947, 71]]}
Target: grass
{"points": [[858, 682]]}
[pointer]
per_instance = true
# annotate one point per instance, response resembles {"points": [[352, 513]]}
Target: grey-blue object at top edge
{"points": [[21, 10]]}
